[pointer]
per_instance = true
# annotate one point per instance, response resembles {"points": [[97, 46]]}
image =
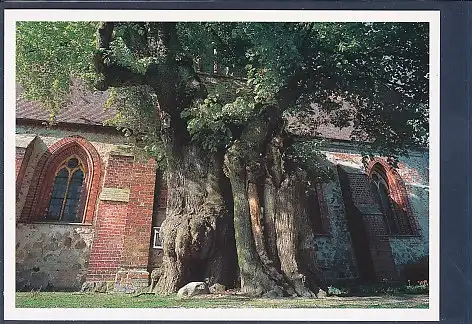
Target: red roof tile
{"points": [[317, 124], [85, 107]]}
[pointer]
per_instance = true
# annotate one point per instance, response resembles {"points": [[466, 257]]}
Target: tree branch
{"points": [[112, 73]]}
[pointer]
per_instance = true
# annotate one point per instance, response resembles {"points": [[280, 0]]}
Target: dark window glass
{"points": [[387, 208], [73, 163], [66, 193], [375, 192], [57, 196], [73, 197], [396, 219], [54, 211]]}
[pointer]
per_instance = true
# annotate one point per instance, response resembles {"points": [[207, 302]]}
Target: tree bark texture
{"points": [[253, 279], [197, 234], [269, 238], [286, 214]]}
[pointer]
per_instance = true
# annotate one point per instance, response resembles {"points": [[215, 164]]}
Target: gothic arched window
{"points": [[65, 183], [66, 195], [395, 217]]}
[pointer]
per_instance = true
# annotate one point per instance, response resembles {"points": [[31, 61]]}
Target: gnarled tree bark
{"points": [[215, 223], [268, 239], [198, 235]]}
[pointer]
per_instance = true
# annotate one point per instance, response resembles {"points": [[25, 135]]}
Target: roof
{"points": [[86, 107], [318, 124]]}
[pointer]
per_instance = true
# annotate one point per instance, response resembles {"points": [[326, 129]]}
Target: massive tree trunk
{"points": [[272, 240], [255, 211], [253, 279], [285, 188], [197, 234]]}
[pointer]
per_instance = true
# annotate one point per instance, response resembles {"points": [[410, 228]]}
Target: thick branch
{"points": [[105, 34], [112, 73], [171, 75]]}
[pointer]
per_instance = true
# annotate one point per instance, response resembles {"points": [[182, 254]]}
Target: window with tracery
{"points": [[66, 192], [395, 218]]}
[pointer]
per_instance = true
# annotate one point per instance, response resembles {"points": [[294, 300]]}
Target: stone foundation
{"points": [[97, 286], [52, 257], [131, 280]]}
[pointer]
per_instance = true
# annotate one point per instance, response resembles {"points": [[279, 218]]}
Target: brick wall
{"points": [[139, 218], [367, 228], [50, 255], [27, 156], [334, 251], [41, 183], [107, 246], [120, 249], [22, 158], [118, 227], [408, 186], [133, 272], [20, 154]]}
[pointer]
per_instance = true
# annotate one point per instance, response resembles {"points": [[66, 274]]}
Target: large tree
{"points": [[212, 102]]}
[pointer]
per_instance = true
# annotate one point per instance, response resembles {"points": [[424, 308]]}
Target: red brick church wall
{"points": [[116, 227], [120, 249]]}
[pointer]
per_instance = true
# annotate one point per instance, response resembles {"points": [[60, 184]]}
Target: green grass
{"points": [[91, 300]]}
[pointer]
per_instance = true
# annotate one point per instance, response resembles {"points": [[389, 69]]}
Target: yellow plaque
{"points": [[115, 194]]}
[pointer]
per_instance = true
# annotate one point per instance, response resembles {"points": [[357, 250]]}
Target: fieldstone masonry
{"points": [[52, 256]]}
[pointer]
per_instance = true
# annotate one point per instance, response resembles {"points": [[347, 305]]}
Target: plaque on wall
{"points": [[115, 194]]}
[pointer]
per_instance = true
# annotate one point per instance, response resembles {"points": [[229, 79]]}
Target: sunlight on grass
{"points": [[90, 300]]}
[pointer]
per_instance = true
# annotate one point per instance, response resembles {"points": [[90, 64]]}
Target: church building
{"points": [[89, 206]]}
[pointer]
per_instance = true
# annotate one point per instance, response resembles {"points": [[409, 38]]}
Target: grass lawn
{"points": [[97, 300]]}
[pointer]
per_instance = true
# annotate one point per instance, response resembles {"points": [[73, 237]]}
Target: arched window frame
{"points": [[400, 221], [39, 193]]}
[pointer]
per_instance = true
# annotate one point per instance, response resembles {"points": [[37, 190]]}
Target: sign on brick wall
{"points": [[115, 194]]}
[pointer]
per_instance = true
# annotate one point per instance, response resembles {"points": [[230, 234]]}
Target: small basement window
{"points": [[156, 238]]}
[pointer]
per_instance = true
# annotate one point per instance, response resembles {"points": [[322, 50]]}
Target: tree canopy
{"points": [[380, 69]]}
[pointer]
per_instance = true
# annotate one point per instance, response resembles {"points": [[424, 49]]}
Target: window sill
{"points": [[61, 223]]}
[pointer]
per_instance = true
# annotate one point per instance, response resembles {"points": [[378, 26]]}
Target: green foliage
{"points": [[370, 76], [381, 69], [206, 124], [48, 55], [129, 47], [307, 154], [211, 122], [264, 85], [137, 116], [202, 40]]}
